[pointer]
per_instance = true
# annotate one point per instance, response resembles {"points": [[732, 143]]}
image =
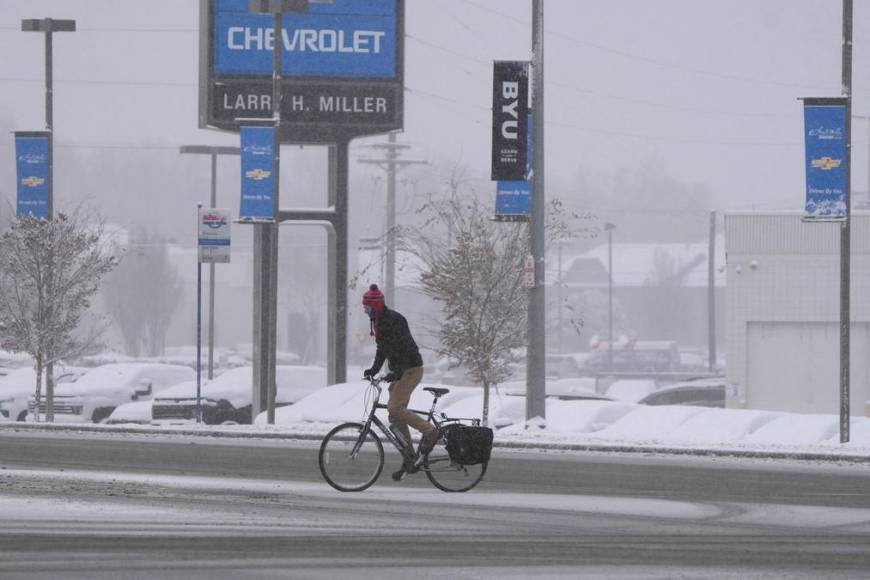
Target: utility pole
{"points": [[49, 26], [212, 151], [846, 230], [391, 163], [535, 356]]}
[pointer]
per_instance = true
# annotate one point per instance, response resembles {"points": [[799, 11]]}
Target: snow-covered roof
{"points": [[636, 264]]}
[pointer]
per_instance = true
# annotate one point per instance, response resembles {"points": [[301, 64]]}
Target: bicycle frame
{"points": [[373, 419]]}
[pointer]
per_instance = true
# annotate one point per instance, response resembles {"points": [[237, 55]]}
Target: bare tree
{"points": [[475, 271], [142, 294], [51, 269]]}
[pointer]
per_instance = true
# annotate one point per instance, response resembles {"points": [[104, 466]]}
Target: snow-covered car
{"points": [[227, 398], [17, 387], [96, 394], [138, 412], [700, 393]]}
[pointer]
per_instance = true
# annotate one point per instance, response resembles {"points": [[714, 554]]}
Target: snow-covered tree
{"points": [[49, 271], [473, 266]]}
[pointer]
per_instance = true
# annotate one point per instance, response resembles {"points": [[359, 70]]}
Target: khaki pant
{"points": [[397, 406]]}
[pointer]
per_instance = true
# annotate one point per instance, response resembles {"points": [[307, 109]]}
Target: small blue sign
{"points": [[345, 39], [32, 163], [514, 198], [826, 159], [258, 172]]}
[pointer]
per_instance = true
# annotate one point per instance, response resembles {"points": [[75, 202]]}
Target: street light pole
{"points": [[212, 151], [48, 26]]}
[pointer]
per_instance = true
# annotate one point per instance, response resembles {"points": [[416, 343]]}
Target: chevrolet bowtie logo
{"points": [[258, 174], [826, 163], [32, 181]]}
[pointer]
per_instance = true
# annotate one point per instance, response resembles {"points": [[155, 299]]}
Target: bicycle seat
{"points": [[437, 391]]}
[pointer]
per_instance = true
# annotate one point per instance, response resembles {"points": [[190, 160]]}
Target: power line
{"points": [[648, 60]]}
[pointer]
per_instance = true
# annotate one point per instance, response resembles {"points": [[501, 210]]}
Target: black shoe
{"points": [[408, 466]]}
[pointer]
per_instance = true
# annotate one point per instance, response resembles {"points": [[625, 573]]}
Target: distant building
{"points": [[660, 290], [784, 312]]}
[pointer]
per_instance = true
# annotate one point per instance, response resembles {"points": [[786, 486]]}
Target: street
{"points": [[109, 506]]}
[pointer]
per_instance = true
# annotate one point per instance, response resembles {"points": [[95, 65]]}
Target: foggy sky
{"points": [[706, 90]]}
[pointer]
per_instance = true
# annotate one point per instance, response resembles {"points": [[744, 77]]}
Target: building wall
{"points": [[783, 286]]}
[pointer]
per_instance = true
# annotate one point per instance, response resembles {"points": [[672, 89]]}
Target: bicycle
{"points": [[351, 455]]}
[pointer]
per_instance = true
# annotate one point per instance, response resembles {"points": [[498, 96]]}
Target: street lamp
{"points": [[213, 151], [49, 26], [608, 227]]}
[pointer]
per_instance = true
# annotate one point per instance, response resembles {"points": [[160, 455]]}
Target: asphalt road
{"points": [[97, 506]]}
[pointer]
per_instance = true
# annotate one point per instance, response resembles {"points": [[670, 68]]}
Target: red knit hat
{"points": [[374, 298]]}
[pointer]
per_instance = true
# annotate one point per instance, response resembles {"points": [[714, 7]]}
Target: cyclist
{"points": [[396, 346]]}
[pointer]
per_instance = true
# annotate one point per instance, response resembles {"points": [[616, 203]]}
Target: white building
{"points": [[783, 313]]}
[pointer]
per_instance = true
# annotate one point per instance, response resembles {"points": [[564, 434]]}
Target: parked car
{"points": [[19, 385], [138, 412], [701, 393], [227, 398], [96, 394], [637, 356]]}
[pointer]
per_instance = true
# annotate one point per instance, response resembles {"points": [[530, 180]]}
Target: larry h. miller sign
{"points": [[342, 68]]}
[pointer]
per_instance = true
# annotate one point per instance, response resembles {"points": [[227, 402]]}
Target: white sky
{"points": [[707, 90]]}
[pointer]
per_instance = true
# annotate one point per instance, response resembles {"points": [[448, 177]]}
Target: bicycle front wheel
{"points": [[350, 460], [447, 475]]}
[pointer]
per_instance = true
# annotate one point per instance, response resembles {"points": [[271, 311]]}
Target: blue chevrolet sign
{"points": [[826, 158], [32, 162], [258, 172], [346, 39]]}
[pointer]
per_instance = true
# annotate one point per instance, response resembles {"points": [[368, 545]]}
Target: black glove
{"points": [[368, 373], [391, 377]]}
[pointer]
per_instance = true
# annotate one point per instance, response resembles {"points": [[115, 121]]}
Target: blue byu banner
{"points": [[513, 199], [32, 163], [258, 172], [347, 39], [826, 159]]}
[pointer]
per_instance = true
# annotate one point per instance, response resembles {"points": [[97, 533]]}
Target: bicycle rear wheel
{"points": [[348, 461], [447, 475]]}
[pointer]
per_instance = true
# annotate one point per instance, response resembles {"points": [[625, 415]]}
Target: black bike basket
{"points": [[469, 445]]}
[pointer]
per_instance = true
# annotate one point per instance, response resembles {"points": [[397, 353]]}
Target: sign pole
{"points": [[198, 323], [845, 230], [535, 361]]}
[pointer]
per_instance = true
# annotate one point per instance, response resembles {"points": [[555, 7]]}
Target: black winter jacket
{"points": [[395, 344]]}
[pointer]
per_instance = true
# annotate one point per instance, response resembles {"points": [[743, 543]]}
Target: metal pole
{"points": [[711, 295], [49, 115], [47, 26], [390, 274], [211, 272], [845, 230], [198, 332], [535, 361], [49, 126], [341, 260]]}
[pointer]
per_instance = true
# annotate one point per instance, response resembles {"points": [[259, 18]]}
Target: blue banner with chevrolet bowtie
{"points": [[258, 172], [32, 163], [826, 159]]}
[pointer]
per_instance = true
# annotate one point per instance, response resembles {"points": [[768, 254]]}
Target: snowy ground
{"points": [[578, 423]]}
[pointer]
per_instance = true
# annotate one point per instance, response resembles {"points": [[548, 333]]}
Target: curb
{"points": [[520, 445]]}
